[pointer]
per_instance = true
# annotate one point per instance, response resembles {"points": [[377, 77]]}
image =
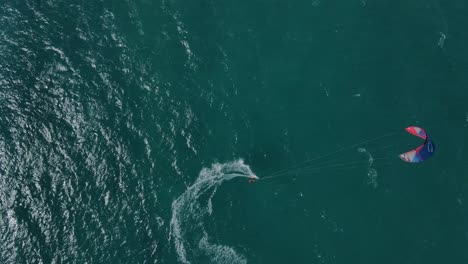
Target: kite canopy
{"points": [[422, 152]]}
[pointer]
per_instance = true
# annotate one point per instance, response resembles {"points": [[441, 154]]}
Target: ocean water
{"points": [[128, 130]]}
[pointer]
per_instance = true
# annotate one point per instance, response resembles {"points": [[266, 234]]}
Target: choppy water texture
{"points": [[127, 129]]}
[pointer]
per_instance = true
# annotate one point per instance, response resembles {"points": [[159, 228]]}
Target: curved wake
{"points": [[190, 210], [371, 172]]}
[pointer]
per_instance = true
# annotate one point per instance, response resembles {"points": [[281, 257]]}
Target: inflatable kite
{"points": [[422, 152]]}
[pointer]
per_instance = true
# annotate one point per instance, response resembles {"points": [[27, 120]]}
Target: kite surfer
{"points": [[252, 178]]}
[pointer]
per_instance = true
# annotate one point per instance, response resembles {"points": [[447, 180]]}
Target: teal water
{"points": [[127, 129]]}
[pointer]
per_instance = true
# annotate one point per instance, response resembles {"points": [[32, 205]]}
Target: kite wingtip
{"points": [[404, 157]]}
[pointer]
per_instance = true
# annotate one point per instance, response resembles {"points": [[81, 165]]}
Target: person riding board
{"points": [[252, 178]]}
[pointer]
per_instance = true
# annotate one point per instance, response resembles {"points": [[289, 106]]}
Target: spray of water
{"points": [[371, 172], [193, 207]]}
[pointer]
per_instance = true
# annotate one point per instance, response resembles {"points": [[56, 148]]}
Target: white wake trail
{"points": [[191, 209], [371, 172]]}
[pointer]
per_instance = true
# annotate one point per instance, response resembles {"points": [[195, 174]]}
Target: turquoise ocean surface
{"points": [[129, 128]]}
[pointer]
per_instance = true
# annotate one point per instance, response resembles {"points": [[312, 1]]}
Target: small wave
{"points": [[183, 34], [191, 208]]}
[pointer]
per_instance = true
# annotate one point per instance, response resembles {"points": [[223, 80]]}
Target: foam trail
{"points": [[371, 172], [189, 210]]}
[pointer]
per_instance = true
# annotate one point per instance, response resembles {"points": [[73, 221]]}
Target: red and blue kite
{"points": [[422, 152]]}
